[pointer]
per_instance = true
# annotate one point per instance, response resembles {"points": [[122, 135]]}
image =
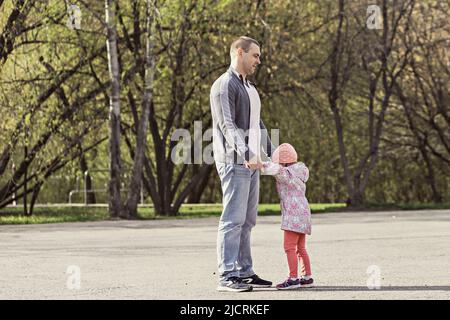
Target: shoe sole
{"points": [[261, 285], [226, 289], [290, 287], [307, 286]]}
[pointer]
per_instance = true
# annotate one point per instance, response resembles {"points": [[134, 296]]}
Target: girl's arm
{"points": [[286, 174], [270, 168], [303, 172], [293, 173], [279, 172], [283, 174]]}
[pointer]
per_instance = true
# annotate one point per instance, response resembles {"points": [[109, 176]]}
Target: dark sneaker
{"points": [[257, 282], [289, 284], [306, 283], [234, 284]]}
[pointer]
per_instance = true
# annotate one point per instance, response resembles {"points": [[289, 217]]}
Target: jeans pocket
{"points": [[241, 172]]}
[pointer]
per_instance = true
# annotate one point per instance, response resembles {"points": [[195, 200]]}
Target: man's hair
{"points": [[244, 43]]}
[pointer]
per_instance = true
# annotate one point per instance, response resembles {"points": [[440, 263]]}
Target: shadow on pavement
{"points": [[361, 288]]}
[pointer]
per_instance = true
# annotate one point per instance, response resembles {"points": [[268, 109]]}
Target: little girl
{"points": [[291, 177]]}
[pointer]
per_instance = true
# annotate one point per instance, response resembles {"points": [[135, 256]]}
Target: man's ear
{"points": [[240, 52]]}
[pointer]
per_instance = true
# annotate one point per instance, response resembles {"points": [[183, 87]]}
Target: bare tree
{"points": [[14, 26], [423, 91], [386, 70], [139, 155], [115, 202]]}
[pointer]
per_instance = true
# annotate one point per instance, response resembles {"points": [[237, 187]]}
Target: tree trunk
{"points": [[136, 177], [197, 193], [356, 199], [187, 190], [36, 190], [408, 108], [333, 97], [25, 186], [90, 197], [4, 159], [430, 175], [115, 203]]}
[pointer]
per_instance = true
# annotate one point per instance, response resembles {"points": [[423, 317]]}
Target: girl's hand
{"points": [[270, 168], [253, 166]]}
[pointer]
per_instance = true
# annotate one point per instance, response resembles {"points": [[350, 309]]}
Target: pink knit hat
{"points": [[285, 153]]}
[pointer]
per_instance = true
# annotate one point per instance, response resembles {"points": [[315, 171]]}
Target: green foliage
{"points": [[293, 81]]}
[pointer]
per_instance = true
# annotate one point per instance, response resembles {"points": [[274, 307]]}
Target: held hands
{"points": [[253, 165]]}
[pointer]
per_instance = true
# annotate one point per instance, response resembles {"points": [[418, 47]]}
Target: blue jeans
{"points": [[240, 189]]}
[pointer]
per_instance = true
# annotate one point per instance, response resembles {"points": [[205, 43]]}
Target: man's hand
{"points": [[253, 166]]}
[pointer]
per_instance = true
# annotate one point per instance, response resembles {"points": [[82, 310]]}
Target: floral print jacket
{"points": [[296, 214]]}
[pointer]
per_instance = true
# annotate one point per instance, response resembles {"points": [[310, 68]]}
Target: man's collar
{"points": [[241, 77]]}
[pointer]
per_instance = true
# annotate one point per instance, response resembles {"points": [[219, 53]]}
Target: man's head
{"points": [[245, 54]]}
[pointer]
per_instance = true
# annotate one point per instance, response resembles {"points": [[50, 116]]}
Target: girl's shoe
{"points": [[306, 283], [289, 284]]}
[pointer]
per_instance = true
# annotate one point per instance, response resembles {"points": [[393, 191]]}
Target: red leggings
{"points": [[294, 246]]}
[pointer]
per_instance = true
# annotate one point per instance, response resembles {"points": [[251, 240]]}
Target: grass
{"points": [[408, 206], [80, 214], [53, 215]]}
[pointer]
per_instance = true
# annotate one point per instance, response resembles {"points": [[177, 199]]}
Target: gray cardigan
{"points": [[230, 108]]}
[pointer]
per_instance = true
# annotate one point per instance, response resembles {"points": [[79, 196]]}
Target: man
{"points": [[238, 132]]}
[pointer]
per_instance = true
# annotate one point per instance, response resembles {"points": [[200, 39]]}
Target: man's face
{"points": [[251, 59]]}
